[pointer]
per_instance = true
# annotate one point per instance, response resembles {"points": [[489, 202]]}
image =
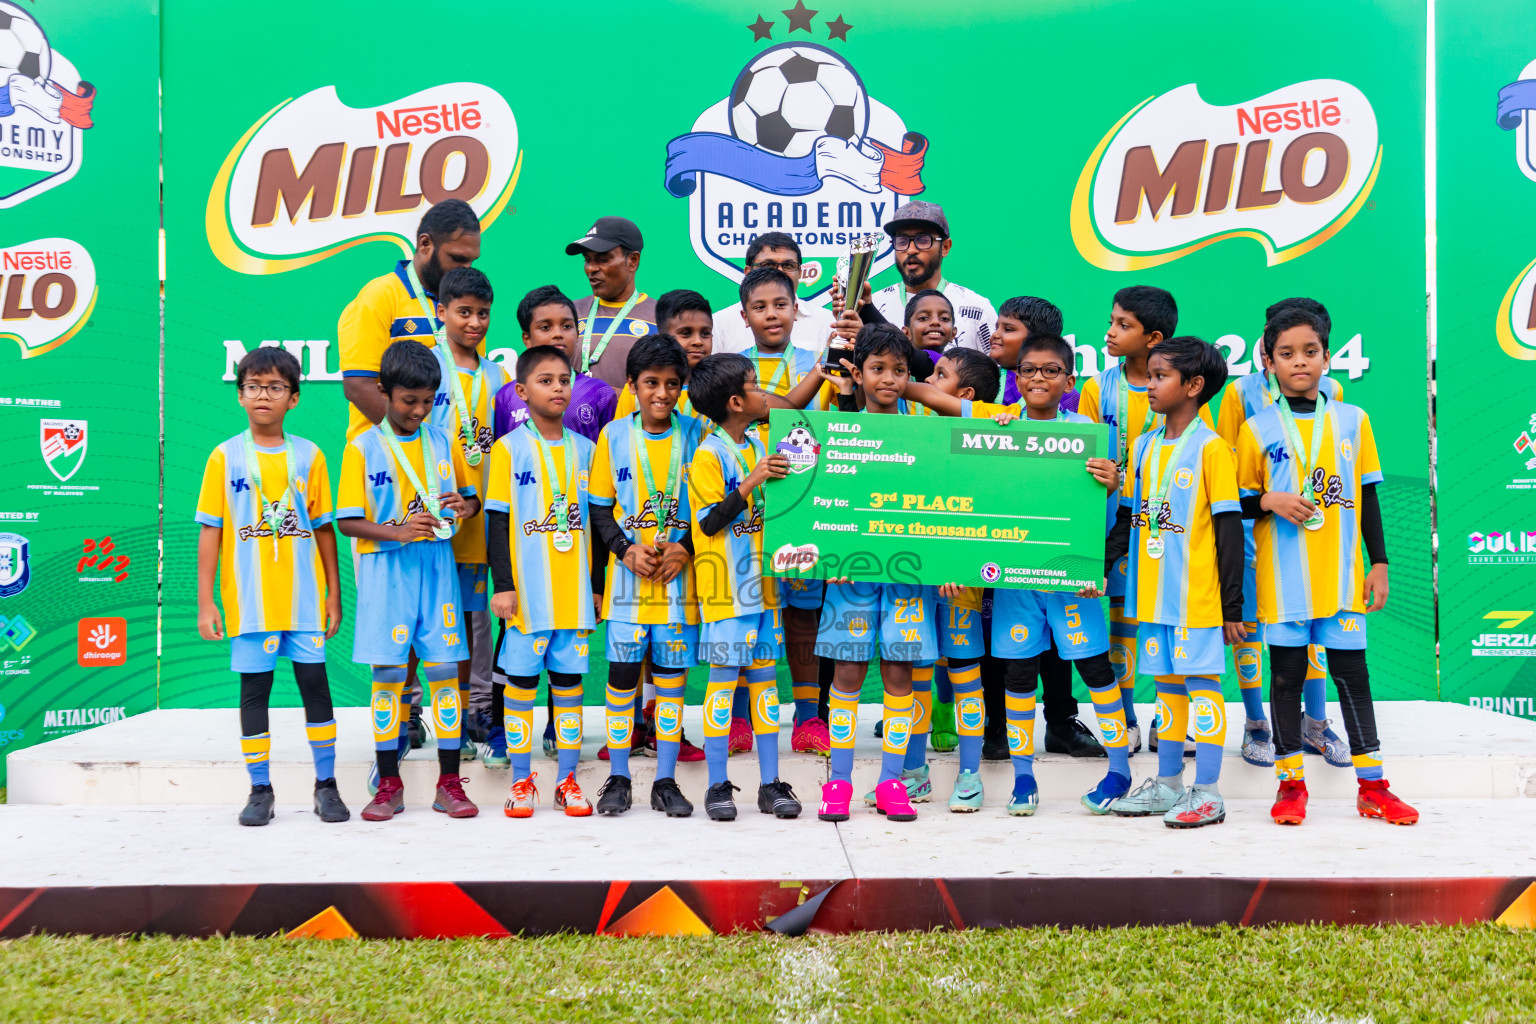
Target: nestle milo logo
{"points": [[1288, 170]]}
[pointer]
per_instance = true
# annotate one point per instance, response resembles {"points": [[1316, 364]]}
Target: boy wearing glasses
{"points": [[265, 510], [812, 324], [920, 236]]}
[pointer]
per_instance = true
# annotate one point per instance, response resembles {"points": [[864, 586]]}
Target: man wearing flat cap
{"points": [[616, 313]]}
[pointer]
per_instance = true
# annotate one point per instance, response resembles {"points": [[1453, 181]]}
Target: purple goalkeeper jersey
{"points": [[591, 408]]}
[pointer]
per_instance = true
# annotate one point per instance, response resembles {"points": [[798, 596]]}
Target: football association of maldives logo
{"points": [[44, 108], [64, 443], [797, 145]]}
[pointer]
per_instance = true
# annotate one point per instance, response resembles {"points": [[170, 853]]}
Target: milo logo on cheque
{"points": [[790, 559], [1288, 169]]}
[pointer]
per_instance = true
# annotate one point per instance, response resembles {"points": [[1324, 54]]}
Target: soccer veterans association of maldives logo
{"points": [[64, 443], [15, 564], [1515, 326], [1288, 170], [44, 109], [313, 176], [797, 145]]}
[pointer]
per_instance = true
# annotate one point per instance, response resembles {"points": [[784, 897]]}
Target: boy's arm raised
{"points": [[933, 398]]}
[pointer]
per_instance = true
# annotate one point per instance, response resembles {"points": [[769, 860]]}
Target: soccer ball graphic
{"points": [[23, 46], [72, 433], [793, 94], [801, 438]]}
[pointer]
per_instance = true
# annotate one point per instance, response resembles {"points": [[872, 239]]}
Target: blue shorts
{"points": [[899, 618], [558, 650], [670, 645], [474, 592], [1343, 631], [1180, 650], [961, 634], [1076, 623], [739, 641], [408, 597], [802, 593], [258, 652]]}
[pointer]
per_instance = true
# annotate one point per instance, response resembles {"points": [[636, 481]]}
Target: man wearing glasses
{"points": [[813, 324], [920, 235]]}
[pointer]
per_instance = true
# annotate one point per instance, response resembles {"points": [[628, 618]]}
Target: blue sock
{"points": [[1314, 698], [763, 700], [322, 747], [1020, 710], [922, 718], [567, 702], [717, 748], [1106, 704], [257, 751], [805, 709], [1208, 714], [441, 695], [969, 714], [669, 723], [619, 708], [518, 705], [1173, 716], [844, 709], [741, 703], [942, 691]]}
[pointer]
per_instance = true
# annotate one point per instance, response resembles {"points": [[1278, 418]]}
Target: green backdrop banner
{"points": [[1486, 370], [1235, 167], [79, 344]]}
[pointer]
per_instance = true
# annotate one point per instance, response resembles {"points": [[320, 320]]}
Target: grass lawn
{"points": [[1308, 975]]}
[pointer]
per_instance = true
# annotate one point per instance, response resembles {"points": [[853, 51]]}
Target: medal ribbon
{"points": [[1293, 439], [772, 387], [588, 357], [271, 513], [1157, 479], [455, 386], [741, 460], [1123, 411], [547, 461], [429, 499], [673, 482]]}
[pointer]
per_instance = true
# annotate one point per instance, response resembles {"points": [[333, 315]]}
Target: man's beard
{"points": [[911, 277], [432, 273]]}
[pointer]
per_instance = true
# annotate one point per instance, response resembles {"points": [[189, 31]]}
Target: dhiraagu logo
{"points": [[1287, 170]]}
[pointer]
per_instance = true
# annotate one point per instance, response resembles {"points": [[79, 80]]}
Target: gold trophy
{"points": [[853, 273]]}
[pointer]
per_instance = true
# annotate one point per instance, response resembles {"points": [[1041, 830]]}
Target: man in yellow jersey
{"points": [[616, 313], [400, 304]]}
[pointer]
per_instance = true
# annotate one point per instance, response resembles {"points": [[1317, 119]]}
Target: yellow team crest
{"points": [[444, 469], [270, 644], [399, 634], [1184, 478], [1347, 450], [638, 329]]}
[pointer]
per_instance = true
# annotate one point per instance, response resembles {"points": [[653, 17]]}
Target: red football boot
{"points": [[1377, 801], [1290, 803]]}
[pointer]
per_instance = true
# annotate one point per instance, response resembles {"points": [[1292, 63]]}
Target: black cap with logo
{"points": [[607, 233]]}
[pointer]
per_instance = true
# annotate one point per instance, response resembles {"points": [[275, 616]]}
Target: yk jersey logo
{"points": [[798, 145], [47, 289], [1516, 323], [314, 176], [44, 110], [1288, 169]]}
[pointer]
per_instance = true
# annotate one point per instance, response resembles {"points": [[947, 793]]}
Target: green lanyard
{"points": [[270, 512], [1002, 386], [741, 460], [1159, 483], [664, 497], [455, 387], [588, 357], [1293, 440], [562, 539], [1123, 410], [772, 387], [429, 499], [901, 295]]}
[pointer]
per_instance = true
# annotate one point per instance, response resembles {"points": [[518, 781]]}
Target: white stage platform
{"points": [[1432, 750]]}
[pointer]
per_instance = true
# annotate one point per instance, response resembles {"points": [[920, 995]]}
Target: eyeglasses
{"points": [[270, 390], [789, 267], [1050, 372], [905, 242]]}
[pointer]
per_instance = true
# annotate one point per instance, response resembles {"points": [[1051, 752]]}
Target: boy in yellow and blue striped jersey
{"points": [[1181, 522], [1309, 471], [1245, 398], [464, 407], [404, 487], [639, 502], [541, 573], [742, 625], [265, 510]]}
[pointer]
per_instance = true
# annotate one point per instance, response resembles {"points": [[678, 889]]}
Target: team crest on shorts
{"points": [[270, 644], [540, 645], [841, 725], [720, 709], [1152, 647], [972, 714], [857, 627], [399, 634], [1019, 633], [796, 144], [639, 634]]}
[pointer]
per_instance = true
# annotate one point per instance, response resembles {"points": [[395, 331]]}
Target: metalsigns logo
{"points": [[63, 443], [798, 145], [274, 203], [1288, 170], [1507, 547], [44, 108], [49, 292], [1515, 326]]}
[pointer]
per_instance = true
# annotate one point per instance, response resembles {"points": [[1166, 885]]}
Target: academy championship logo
{"points": [[44, 108], [1516, 324], [314, 176], [63, 443], [800, 448], [1176, 174], [47, 292], [796, 145]]}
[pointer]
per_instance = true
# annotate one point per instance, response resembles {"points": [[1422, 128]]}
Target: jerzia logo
{"points": [[313, 176], [1176, 174], [797, 145], [1516, 324], [44, 108], [47, 291]]}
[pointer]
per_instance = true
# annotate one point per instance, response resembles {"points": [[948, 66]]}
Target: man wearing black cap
{"points": [[920, 234], [615, 314]]}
